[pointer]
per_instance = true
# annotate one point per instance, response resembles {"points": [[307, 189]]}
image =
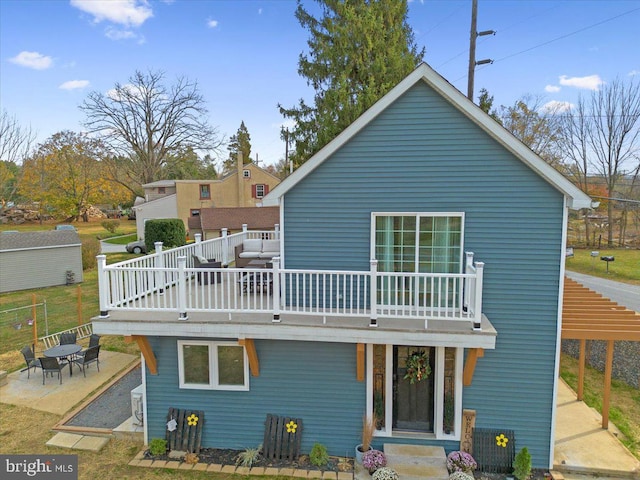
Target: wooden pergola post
{"points": [[606, 395]]}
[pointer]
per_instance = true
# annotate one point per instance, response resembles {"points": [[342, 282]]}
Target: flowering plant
{"points": [[460, 476], [418, 367], [373, 459], [459, 461], [385, 473]]}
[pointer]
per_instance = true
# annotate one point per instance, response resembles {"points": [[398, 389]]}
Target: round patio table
{"points": [[64, 351]]}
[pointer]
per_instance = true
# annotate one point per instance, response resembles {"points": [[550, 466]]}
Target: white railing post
{"points": [[103, 286], [373, 293], [275, 286], [477, 313], [198, 249], [276, 229], [225, 247], [182, 289], [245, 228], [468, 267], [159, 264]]}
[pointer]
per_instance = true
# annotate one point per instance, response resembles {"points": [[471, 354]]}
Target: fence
{"points": [[16, 325]]}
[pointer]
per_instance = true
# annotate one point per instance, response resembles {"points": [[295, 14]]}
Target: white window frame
{"points": [[246, 173], [438, 431], [213, 366], [260, 188]]}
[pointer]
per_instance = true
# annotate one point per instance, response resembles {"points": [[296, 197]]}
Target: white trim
{"points": [[556, 370], [438, 431], [145, 421], [214, 382], [577, 199]]}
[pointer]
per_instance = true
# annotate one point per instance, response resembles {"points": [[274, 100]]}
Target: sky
{"points": [[244, 54]]}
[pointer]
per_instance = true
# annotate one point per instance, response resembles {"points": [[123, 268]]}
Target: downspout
{"points": [[556, 370]]}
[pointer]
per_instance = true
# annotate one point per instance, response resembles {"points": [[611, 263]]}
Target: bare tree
{"points": [[15, 145], [614, 136], [145, 121]]}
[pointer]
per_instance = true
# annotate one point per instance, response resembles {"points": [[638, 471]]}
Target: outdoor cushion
{"points": [[249, 254], [271, 247], [254, 245], [202, 259]]}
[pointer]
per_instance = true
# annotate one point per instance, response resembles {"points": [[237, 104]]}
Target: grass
{"points": [[624, 410], [625, 268], [123, 240]]}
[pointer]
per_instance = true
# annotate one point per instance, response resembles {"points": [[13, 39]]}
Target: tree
{"points": [[601, 137], [534, 126], [145, 122], [65, 175], [358, 51], [485, 102], [240, 142], [15, 144], [188, 165]]}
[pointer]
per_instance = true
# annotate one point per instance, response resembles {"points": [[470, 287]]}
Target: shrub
{"points": [[522, 464], [110, 225], [460, 461], [374, 459], [319, 456], [169, 231], [158, 446], [90, 250], [460, 476], [368, 429], [385, 473], [249, 456]]}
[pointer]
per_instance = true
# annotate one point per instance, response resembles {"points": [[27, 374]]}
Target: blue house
{"points": [[424, 234]]}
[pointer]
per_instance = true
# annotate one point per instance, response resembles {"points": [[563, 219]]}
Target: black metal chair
{"points": [[50, 365], [30, 359], [68, 338], [94, 341], [91, 355]]}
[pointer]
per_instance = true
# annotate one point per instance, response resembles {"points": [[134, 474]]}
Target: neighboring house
{"points": [[246, 187], [39, 259], [210, 222], [375, 271]]}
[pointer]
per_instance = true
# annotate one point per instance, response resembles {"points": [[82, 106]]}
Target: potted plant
{"points": [[459, 461], [373, 460], [449, 414], [368, 429]]}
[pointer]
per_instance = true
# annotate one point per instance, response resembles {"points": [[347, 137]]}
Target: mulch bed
{"points": [[224, 456], [536, 474]]}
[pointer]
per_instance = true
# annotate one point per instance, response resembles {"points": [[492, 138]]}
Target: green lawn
{"points": [[625, 268]]}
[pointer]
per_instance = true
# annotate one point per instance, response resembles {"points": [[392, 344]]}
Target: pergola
{"points": [[587, 315]]}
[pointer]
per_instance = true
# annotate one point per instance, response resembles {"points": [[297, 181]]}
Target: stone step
{"points": [[417, 462]]}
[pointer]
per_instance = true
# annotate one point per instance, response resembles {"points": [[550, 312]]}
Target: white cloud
{"points": [[123, 12], [554, 106], [34, 60], [590, 82], [74, 84], [259, 11], [118, 34], [212, 23], [633, 73], [552, 88]]}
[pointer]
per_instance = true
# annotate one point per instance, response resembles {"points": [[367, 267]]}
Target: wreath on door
{"points": [[418, 367]]}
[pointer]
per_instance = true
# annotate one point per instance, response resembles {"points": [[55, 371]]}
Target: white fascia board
{"points": [[576, 199]]}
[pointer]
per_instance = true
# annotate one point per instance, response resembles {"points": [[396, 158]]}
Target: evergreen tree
{"points": [[358, 51], [240, 142], [485, 102]]}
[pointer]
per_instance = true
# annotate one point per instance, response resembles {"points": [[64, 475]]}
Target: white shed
{"points": [[39, 259]]}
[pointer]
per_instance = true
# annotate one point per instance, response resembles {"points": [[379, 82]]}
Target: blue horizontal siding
{"points": [[312, 381], [423, 155]]}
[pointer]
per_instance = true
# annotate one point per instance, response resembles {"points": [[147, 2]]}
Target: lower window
{"points": [[408, 398], [212, 365]]}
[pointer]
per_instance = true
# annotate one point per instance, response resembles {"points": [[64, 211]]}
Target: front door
{"points": [[412, 403]]}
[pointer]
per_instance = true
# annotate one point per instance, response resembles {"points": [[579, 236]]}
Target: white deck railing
{"points": [[168, 281]]}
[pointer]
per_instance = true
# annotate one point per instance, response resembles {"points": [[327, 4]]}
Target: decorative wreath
{"points": [[418, 367]]}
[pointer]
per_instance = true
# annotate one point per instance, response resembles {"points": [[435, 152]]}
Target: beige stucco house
{"points": [[186, 198]]}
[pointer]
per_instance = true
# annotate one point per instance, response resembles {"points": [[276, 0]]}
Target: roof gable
{"points": [[575, 197]]}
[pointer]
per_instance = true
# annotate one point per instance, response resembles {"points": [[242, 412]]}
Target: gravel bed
{"points": [[112, 407]]}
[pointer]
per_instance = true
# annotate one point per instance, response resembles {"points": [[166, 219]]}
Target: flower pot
{"points": [[359, 452]]}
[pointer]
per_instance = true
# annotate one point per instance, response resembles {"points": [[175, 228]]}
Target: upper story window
{"points": [[212, 365], [161, 190], [260, 190], [246, 173], [205, 191]]}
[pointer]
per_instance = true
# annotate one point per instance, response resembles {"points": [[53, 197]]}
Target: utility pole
{"points": [[472, 48]]}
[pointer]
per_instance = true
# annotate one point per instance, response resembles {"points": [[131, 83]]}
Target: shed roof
{"points": [[576, 199], [35, 240], [257, 218]]}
